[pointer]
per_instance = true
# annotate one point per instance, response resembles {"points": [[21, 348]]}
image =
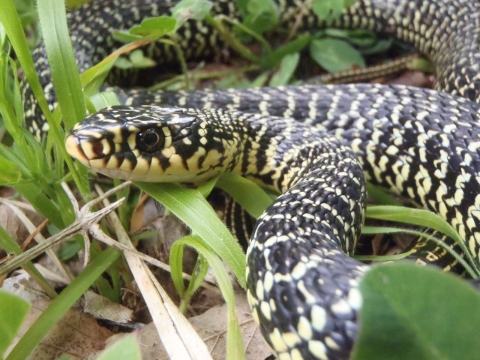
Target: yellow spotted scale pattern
{"points": [[420, 144]]}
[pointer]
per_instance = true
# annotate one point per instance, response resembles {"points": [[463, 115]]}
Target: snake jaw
{"points": [[74, 149]]}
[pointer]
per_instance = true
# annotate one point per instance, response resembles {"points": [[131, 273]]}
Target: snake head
{"points": [[148, 143]]}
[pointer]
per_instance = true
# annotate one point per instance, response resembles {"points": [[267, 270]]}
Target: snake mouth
{"points": [[87, 148], [74, 148]]}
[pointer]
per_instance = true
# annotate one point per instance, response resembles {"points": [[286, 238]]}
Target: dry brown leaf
{"points": [[23, 286], [14, 226], [102, 308], [76, 335]]}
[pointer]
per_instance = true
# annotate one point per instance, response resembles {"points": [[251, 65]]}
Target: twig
{"points": [[98, 234], [83, 222]]}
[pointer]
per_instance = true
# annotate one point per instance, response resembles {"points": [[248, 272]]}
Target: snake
{"points": [[315, 145]]}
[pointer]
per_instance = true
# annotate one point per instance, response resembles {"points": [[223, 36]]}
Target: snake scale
{"points": [[314, 144]]}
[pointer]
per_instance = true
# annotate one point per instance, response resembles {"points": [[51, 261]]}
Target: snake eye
{"points": [[150, 140]]}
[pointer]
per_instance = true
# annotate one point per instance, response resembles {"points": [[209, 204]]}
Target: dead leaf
{"points": [[14, 226], [76, 334], [102, 308]]}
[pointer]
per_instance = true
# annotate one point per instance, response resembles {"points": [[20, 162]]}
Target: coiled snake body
{"points": [[421, 144]]}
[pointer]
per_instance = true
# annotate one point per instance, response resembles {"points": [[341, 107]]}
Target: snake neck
{"points": [[284, 155], [275, 152]]}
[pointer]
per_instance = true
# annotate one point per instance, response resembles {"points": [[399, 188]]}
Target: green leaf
{"points": [[326, 9], [26, 11], [10, 174], [13, 310], [363, 38], [64, 72], [421, 313], [198, 275], [127, 348], [175, 260], [294, 46], [125, 36], [93, 78], [191, 9], [335, 55], [259, 81], [176, 271], [123, 63], [155, 27], [139, 60], [379, 47], [205, 188], [287, 68], [330, 9], [69, 250], [259, 15], [13, 27]]}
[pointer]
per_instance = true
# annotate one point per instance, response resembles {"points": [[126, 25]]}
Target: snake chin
{"points": [[134, 176]]}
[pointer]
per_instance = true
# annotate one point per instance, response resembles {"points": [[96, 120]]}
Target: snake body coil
{"points": [[421, 144]]}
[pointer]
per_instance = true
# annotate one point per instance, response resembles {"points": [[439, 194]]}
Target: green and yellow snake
{"points": [[314, 144]]}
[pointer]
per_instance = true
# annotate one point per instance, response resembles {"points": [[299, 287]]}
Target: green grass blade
{"points": [[10, 321], [248, 194], [65, 79], [393, 230], [16, 36], [176, 271], [41, 202], [199, 273], [62, 303], [423, 218], [175, 260], [61, 60], [102, 100], [234, 335], [192, 208], [10, 155], [10, 173], [380, 197]]}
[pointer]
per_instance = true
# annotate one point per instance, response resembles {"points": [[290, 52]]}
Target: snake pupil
{"points": [[150, 140]]}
